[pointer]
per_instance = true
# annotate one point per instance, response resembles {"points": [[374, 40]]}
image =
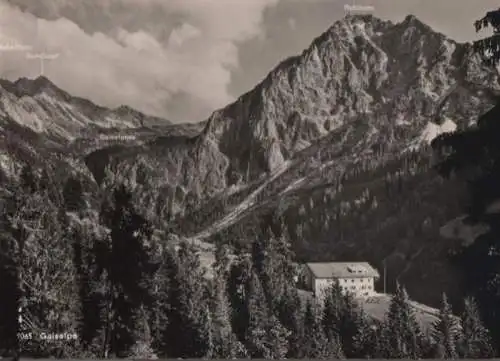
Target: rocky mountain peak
{"points": [[362, 66], [41, 106], [32, 86]]}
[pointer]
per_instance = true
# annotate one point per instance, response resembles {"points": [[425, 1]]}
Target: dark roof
{"points": [[342, 269]]}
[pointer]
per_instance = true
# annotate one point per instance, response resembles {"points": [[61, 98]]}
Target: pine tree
{"points": [[289, 313], [446, 332], [332, 310], [313, 342], [272, 259], [73, 194], [278, 337], [130, 269], [225, 343], [349, 324], [340, 317], [286, 302], [88, 277], [265, 336], [475, 342], [188, 330], [402, 336], [366, 338], [160, 308], [258, 317], [239, 275]]}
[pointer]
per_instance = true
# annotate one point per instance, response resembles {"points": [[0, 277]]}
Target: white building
{"points": [[357, 278]]}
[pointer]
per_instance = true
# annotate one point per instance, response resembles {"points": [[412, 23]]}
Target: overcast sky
{"points": [[183, 59]]}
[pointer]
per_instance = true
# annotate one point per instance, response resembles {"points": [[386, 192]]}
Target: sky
{"points": [[183, 59]]}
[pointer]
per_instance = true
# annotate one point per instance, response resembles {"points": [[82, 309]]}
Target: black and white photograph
{"points": [[254, 179]]}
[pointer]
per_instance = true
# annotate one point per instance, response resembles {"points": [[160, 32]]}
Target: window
{"points": [[352, 280]]}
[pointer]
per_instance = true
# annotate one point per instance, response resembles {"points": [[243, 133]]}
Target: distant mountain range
{"points": [[336, 139]]}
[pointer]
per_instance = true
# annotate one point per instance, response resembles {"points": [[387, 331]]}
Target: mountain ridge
{"points": [[260, 126], [44, 108]]}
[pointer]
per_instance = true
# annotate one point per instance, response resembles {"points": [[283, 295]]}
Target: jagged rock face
{"points": [[399, 73], [39, 105], [178, 171]]}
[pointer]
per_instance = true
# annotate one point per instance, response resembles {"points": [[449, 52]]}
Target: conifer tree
{"points": [[285, 302], [188, 332], [130, 268], [73, 194], [365, 340], [313, 342], [312, 339], [160, 307], [225, 343], [289, 313], [349, 324], [87, 279], [446, 332], [239, 275], [265, 336], [476, 341], [332, 310], [402, 336], [272, 259], [340, 317]]}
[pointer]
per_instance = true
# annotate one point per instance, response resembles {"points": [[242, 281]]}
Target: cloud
{"points": [[177, 65]]}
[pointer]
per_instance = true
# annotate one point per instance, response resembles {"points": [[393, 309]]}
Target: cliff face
{"points": [[399, 73]]}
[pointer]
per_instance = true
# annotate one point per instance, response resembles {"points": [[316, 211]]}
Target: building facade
{"points": [[357, 278]]}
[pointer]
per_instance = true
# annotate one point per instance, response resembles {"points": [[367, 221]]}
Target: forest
{"points": [[126, 293]]}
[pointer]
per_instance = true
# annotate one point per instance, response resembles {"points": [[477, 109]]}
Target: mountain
{"points": [[335, 140], [40, 106], [396, 74], [365, 86], [39, 123]]}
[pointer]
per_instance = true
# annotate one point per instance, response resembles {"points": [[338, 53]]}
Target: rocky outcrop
{"points": [[361, 65]]}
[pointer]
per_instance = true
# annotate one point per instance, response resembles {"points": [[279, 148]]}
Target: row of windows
{"points": [[354, 287], [361, 280]]}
